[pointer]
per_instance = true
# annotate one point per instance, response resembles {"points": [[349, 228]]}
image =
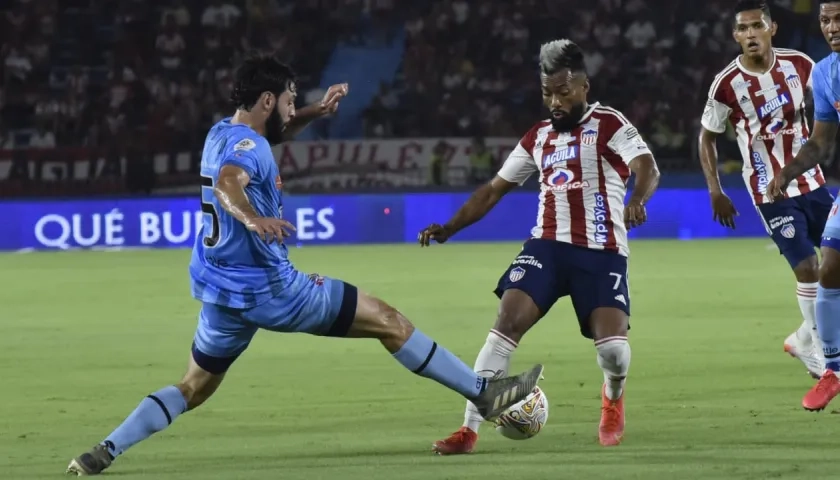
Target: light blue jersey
{"points": [[244, 283], [826, 84], [232, 266]]}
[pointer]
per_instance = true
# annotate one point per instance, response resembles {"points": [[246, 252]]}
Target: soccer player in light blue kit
{"points": [[241, 273], [826, 86]]}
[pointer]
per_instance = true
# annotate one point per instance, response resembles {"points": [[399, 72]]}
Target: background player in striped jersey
{"points": [[763, 94], [826, 118], [242, 275], [584, 155]]}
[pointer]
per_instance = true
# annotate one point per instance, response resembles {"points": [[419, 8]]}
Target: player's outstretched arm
{"points": [[327, 106], [480, 202], [230, 191]]}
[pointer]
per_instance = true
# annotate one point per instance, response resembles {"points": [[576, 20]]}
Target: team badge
{"points": [[788, 231], [588, 137], [516, 274]]}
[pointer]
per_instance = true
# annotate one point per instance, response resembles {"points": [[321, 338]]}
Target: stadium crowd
{"points": [[120, 72]]}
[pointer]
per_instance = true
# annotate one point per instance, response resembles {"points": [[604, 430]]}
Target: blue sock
{"points": [[155, 412], [828, 325], [423, 356]]}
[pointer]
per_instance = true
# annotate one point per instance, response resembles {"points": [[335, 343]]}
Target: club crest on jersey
{"points": [[560, 155], [773, 105], [793, 81], [588, 137], [516, 274]]}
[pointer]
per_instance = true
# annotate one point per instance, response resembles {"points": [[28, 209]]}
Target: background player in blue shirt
{"points": [[826, 85], [241, 273]]}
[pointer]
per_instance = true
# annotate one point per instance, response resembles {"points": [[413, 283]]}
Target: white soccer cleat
{"points": [[806, 353]]}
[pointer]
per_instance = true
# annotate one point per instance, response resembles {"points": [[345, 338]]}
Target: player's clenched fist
{"points": [[329, 104], [438, 233], [634, 214], [270, 229]]}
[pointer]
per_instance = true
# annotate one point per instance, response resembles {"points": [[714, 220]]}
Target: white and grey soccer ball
{"points": [[524, 419]]}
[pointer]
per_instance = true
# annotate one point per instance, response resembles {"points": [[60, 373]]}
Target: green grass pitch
{"points": [[85, 335]]}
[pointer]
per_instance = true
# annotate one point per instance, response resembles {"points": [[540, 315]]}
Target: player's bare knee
{"points": [[517, 314], [807, 271], [514, 324], [397, 328]]}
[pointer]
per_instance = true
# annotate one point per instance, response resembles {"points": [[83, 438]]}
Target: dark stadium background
{"points": [[135, 84], [103, 109]]}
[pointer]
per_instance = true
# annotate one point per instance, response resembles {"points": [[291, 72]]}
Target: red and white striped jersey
{"points": [[583, 178], [767, 112]]}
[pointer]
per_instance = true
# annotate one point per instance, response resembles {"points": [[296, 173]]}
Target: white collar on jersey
{"points": [[747, 72], [588, 113]]}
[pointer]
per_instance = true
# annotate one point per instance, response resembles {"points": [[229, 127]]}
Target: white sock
{"points": [[493, 361], [806, 295], [614, 360]]}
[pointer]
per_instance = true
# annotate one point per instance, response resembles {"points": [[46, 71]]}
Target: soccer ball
{"points": [[525, 419]]}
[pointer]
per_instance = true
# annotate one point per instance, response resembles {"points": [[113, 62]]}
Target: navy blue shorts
{"points": [[796, 224], [548, 270]]}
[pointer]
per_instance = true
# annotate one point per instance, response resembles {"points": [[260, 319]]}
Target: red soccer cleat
{"points": [[823, 392], [611, 429], [460, 442]]}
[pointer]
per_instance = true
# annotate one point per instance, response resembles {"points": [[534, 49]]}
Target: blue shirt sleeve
{"points": [[245, 154], [824, 110]]}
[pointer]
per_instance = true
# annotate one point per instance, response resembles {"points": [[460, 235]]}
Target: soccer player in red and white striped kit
{"points": [[763, 94], [584, 155]]}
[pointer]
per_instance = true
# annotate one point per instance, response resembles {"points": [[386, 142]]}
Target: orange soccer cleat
{"points": [[460, 442], [823, 392], [611, 429]]}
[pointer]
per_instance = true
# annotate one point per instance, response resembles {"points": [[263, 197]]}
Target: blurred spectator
{"points": [[99, 72], [481, 161]]}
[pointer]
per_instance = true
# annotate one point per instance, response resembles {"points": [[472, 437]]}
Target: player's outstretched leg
{"points": [[517, 314], [423, 356], [804, 344], [220, 338], [154, 413], [828, 325], [609, 328]]}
